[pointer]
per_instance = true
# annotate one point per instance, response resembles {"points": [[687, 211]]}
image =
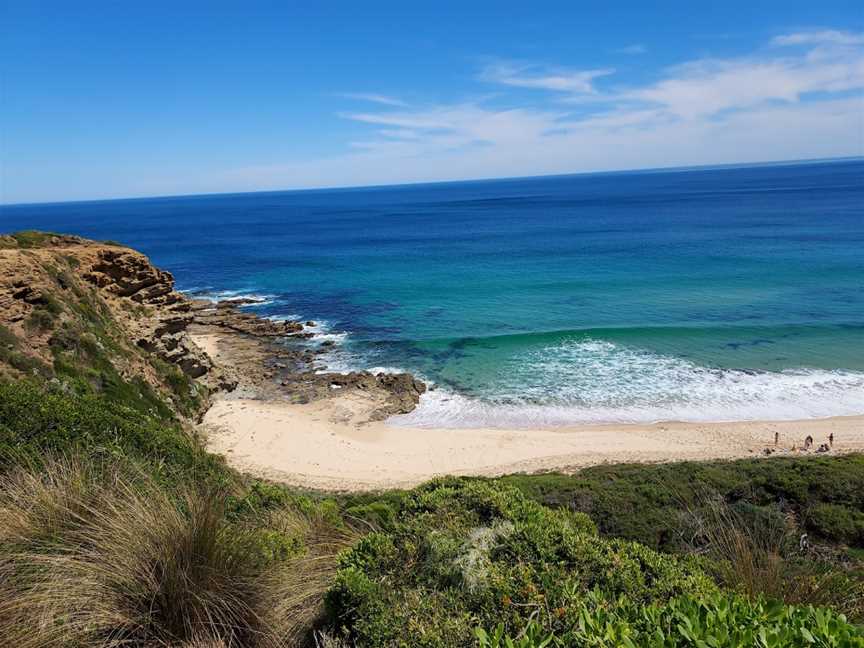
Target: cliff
{"points": [[100, 317]]}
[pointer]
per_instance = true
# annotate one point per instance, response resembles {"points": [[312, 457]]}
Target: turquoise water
{"points": [[706, 294]]}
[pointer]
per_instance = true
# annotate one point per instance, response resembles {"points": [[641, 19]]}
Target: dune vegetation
{"points": [[118, 528]]}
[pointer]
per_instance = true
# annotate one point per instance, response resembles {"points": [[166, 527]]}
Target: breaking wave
{"points": [[596, 381]]}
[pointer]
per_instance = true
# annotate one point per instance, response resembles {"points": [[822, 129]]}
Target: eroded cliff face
{"points": [[100, 316], [86, 314]]}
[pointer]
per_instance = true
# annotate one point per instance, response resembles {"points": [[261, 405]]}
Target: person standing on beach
{"points": [[831, 440]]}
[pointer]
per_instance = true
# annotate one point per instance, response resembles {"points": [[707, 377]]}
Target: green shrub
{"points": [[33, 238], [83, 360], [261, 496], [645, 502], [837, 522], [28, 364], [38, 420], [7, 338], [187, 394], [463, 550], [39, 320], [379, 514], [716, 621]]}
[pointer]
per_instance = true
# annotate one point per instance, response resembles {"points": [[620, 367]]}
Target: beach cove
{"points": [[331, 444]]}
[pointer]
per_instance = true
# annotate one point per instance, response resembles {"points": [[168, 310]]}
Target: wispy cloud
{"points": [[705, 88], [373, 98], [819, 37], [453, 127], [803, 97], [534, 76], [634, 49]]}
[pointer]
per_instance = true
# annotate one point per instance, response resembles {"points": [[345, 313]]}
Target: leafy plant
{"points": [[717, 621]]}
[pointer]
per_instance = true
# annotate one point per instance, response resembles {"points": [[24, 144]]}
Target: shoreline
{"points": [[322, 445], [333, 441]]}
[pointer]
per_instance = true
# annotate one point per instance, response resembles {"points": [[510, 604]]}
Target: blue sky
{"points": [[116, 99]]}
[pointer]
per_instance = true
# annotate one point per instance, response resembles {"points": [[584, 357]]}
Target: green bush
{"points": [[40, 320], [7, 338], [83, 360], [38, 420], [837, 522], [716, 621], [260, 498], [187, 394], [464, 550], [26, 364], [380, 515], [33, 238], [645, 502]]}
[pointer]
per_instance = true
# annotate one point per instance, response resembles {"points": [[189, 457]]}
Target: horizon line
{"points": [[669, 169]]}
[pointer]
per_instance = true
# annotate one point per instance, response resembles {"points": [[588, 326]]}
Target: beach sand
{"points": [[324, 445]]}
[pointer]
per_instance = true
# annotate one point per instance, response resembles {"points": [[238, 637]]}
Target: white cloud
{"points": [[802, 97], [772, 105], [707, 87], [373, 98], [634, 49], [532, 76], [820, 37], [796, 131], [453, 127]]}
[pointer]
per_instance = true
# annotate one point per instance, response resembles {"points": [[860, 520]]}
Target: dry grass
{"points": [[294, 600], [97, 555], [750, 553], [761, 555]]}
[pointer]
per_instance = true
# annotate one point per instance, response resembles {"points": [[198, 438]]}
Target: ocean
{"points": [[704, 294]]}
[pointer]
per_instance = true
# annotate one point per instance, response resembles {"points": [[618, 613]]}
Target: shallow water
{"points": [[708, 294]]}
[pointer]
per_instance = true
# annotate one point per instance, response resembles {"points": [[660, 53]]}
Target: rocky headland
{"points": [[99, 319], [57, 290]]}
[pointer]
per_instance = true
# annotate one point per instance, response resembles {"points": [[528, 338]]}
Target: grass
{"points": [[36, 421], [39, 321], [32, 239], [103, 557], [100, 554], [758, 552], [748, 550]]}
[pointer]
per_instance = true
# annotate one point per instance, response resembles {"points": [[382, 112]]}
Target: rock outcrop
{"points": [[160, 325], [56, 287]]}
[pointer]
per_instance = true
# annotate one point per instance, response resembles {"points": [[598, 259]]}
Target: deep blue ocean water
{"points": [[707, 294]]}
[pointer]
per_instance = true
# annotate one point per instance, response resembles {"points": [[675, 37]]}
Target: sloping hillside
{"points": [[99, 318]]}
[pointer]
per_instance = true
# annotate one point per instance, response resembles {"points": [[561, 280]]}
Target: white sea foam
{"points": [[592, 381], [390, 370], [214, 296], [335, 358]]}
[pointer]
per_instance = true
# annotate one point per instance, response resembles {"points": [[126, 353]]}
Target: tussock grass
{"points": [[758, 552], [749, 553], [98, 554]]}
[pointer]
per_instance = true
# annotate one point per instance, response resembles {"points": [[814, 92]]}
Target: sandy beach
{"points": [[323, 444]]}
